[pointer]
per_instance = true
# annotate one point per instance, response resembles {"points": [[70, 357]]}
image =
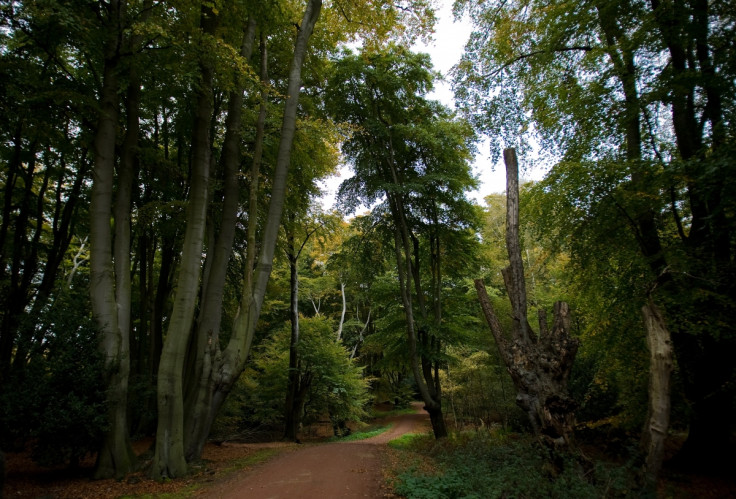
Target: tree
{"points": [[46, 162], [231, 363], [412, 155], [110, 277], [205, 338], [298, 383], [539, 365], [169, 460]]}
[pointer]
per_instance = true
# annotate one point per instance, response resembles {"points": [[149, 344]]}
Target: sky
{"points": [[445, 50]]}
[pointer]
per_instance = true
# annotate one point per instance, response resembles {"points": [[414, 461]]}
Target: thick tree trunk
{"points": [[231, 364], [539, 367], [660, 369], [437, 418], [206, 339], [116, 457], [169, 460]]}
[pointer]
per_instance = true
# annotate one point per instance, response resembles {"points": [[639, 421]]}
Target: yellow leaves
{"points": [[377, 21]]}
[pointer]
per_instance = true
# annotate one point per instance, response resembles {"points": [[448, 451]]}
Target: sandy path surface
{"points": [[324, 471]]}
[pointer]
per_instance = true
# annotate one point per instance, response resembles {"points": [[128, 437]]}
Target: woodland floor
{"points": [[232, 470], [314, 469]]}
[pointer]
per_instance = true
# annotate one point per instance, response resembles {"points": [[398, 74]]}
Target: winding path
{"points": [[334, 470]]}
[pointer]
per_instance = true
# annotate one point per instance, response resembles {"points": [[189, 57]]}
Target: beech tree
{"points": [[411, 155]]}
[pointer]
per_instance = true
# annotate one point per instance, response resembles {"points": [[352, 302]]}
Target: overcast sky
{"points": [[448, 45]]}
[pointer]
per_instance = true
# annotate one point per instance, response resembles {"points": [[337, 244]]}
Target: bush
{"points": [[58, 401], [338, 387]]}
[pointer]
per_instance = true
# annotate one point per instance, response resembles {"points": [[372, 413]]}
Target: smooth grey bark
{"points": [[116, 457], [169, 460], [539, 367], [661, 357], [206, 338], [207, 387], [232, 361]]}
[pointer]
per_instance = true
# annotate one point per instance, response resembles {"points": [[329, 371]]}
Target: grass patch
{"points": [[407, 440], [362, 435], [479, 465]]}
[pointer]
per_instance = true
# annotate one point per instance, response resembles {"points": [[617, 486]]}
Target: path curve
{"points": [[339, 469]]}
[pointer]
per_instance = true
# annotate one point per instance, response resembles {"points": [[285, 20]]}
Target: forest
{"points": [[170, 275]]}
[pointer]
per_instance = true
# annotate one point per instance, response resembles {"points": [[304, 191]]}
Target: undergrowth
{"points": [[406, 440], [482, 465]]}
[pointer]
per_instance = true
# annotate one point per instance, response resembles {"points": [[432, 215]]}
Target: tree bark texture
{"points": [[232, 362], [169, 460], [110, 300], [206, 340], [660, 369], [539, 366]]}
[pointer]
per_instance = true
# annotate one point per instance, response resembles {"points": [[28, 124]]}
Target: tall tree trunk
{"points": [[292, 407], [206, 339], [232, 362], [658, 418], [116, 457], [540, 366], [169, 460], [407, 262]]}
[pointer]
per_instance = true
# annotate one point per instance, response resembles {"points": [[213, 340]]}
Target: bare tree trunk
{"points": [[540, 366], [232, 362], [292, 407], [660, 369], [116, 458], [344, 309], [360, 335], [169, 460], [206, 339]]}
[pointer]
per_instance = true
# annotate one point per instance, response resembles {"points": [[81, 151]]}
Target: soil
{"points": [[339, 469], [309, 470]]}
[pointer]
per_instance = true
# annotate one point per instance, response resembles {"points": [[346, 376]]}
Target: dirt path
{"points": [[349, 469]]}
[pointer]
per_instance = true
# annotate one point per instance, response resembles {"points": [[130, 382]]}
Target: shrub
{"points": [[57, 401]]}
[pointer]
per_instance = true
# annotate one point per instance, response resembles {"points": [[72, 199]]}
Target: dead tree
{"points": [[539, 365]]}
